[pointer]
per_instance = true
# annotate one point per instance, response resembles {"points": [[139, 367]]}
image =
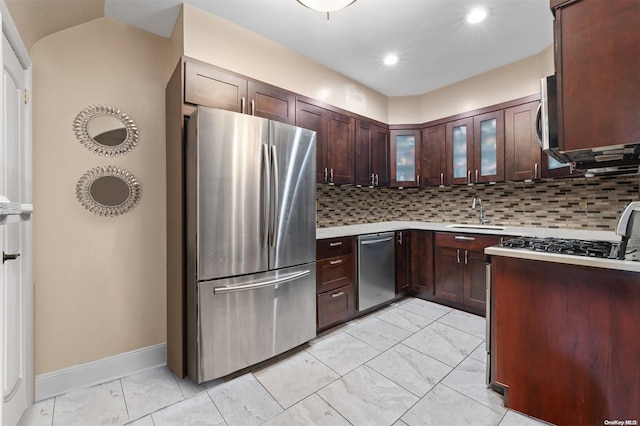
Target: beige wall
{"points": [[99, 282], [217, 41], [512, 81]]}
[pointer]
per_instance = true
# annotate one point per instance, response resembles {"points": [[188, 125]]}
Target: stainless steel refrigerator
{"points": [[251, 241]]}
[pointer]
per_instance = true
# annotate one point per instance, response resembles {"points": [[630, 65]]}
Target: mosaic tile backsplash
{"points": [[579, 203]]}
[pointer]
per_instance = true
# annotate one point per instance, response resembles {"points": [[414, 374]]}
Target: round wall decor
{"points": [[105, 130], [108, 191]]}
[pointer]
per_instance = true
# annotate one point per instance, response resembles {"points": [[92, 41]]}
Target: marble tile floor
{"points": [[411, 363]]}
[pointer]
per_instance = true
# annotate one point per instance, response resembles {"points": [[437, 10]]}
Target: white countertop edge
{"points": [[622, 265], [372, 228]]}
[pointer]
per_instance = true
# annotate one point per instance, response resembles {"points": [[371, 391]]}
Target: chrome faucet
{"points": [[477, 204]]}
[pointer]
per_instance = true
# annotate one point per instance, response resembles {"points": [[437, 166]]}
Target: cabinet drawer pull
{"points": [[535, 171], [458, 255], [468, 177], [243, 101], [336, 244], [476, 176], [326, 174], [253, 107], [331, 175], [466, 257], [335, 262], [464, 238], [399, 237], [418, 180], [377, 179], [441, 179], [338, 294], [373, 181]]}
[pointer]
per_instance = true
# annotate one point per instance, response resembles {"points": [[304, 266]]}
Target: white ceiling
{"points": [[435, 45]]}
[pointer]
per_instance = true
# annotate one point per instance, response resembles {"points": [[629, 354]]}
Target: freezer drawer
{"points": [[246, 320]]}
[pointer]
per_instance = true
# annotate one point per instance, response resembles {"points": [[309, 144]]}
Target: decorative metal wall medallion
{"points": [[106, 130], [108, 191]]}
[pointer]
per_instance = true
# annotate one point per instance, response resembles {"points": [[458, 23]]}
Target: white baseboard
{"points": [[100, 371]]}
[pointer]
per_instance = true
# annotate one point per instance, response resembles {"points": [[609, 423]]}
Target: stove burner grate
{"points": [[599, 249]]}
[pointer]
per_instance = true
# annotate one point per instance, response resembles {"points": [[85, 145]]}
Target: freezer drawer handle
{"points": [[231, 289], [365, 243], [336, 244]]}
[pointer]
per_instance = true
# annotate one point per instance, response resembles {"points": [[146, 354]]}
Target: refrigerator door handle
{"points": [[276, 201], [266, 185], [231, 289], [383, 240]]}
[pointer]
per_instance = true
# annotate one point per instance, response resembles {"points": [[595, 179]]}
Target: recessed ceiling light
{"points": [[391, 59], [477, 14]]}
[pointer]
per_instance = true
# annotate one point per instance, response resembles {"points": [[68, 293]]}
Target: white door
{"points": [[15, 238]]}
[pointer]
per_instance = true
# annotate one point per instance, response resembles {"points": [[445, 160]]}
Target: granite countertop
{"points": [[372, 228]]}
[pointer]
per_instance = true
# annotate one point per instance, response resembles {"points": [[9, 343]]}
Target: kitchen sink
{"points": [[487, 227]]}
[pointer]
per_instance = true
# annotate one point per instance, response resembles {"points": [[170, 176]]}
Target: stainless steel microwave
{"points": [[547, 118], [610, 158]]}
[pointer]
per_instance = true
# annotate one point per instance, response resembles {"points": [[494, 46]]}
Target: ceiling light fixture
{"points": [[477, 14], [391, 59], [326, 6]]}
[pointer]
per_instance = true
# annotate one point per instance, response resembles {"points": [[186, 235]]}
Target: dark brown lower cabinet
{"points": [[421, 264], [565, 341], [403, 265], [336, 306], [460, 269], [335, 281]]}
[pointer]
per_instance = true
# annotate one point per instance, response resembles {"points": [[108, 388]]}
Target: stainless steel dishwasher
{"points": [[376, 269]]}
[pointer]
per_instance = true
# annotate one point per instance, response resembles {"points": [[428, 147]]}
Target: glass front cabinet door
{"points": [[475, 149], [459, 140], [405, 150], [488, 148]]}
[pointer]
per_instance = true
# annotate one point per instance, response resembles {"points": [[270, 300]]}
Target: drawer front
{"points": [[335, 306], [333, 247], [334, 272], [465, 241]]}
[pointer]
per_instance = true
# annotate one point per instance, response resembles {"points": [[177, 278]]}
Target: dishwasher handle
{"points": [[381, 240]]}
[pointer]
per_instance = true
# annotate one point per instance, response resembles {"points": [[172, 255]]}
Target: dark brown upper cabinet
{"points": [[522, 152], [403, 158], [335, 142], [597, 60], [475, 149], [432, 156], [372, 155], [213, 87]]}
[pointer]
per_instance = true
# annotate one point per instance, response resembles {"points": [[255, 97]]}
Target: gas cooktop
{"points": [[598, 249]]}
